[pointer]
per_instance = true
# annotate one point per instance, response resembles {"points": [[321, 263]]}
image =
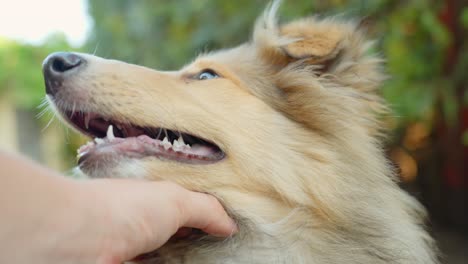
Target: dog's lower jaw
{"points": [[118, 168]]}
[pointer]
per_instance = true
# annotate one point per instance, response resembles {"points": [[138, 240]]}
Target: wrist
{"points": [[48, 218], [74, 231], [96, 236]]}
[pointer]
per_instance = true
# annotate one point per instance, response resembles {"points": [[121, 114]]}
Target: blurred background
{"points": [[423, 41]]}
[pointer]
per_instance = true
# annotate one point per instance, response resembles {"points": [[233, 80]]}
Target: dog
{"points": [[285, 130]]}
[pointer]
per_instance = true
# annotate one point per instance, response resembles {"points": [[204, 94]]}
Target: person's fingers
{"points": [[151, 212], [204, 212]]}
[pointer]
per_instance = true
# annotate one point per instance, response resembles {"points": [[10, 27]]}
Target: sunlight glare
{"points": [[31, 21]]}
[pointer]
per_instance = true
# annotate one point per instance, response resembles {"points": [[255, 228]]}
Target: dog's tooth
{"points": [[110, 133], [166, 143], [177, 146], [99, 140], [86, 120], [181, 141]]}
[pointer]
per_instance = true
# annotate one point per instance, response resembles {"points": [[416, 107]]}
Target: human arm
{"points": [[47, 218]]}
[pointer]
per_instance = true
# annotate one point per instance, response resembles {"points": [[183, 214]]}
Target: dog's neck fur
{"points": [[283, 242]]}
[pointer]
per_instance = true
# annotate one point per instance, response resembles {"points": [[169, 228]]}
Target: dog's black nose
{"points": [[57, 66]]}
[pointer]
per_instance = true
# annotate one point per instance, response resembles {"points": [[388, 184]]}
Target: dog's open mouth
{"points": [[114, 138]]}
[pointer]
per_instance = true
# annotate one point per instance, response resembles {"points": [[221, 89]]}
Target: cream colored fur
{"points": [[296, 112]]}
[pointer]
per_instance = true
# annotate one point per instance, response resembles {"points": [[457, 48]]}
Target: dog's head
{"points": [[270, 118]]}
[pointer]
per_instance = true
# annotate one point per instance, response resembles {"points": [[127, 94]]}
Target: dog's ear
{"points": [[311, 41], [316, 60], [308, 40]]}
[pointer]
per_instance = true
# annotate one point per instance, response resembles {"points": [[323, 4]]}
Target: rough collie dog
{"points": [[283, 129]]}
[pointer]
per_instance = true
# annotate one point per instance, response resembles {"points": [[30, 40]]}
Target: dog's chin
{"points": [[113, 166]]}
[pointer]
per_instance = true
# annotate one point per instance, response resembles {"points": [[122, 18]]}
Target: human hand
{"points": [[135, 217]]}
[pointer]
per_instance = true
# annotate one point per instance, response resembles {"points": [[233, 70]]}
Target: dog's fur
{"points": [[297, 113]]}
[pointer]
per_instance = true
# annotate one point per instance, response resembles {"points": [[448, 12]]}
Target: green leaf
{"points": [[464, 17], [465, 138], [20, 69]]}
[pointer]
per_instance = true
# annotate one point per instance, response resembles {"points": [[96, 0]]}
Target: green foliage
{"points": [[20, 69], [465, 138], [414, 45], [167, 33], [464, 17]]}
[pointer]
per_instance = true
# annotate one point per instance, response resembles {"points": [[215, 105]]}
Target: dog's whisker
{"points": [[159, 133], [73, 109], [96, 48], [44, 103], [45, 108], [67, 135], [50, 122], [42, 113]]}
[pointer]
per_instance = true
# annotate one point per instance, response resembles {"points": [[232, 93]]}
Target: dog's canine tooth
{"points": [[181, 143], [99, 140], [110, 133], [86, 120], [166, 143], [180, 140], [176, 145]]}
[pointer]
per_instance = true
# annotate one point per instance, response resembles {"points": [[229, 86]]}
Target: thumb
{"points": [[204, 212]]}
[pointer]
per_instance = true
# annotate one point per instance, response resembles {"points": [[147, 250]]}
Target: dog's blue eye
{"points": [[207, 74]]}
